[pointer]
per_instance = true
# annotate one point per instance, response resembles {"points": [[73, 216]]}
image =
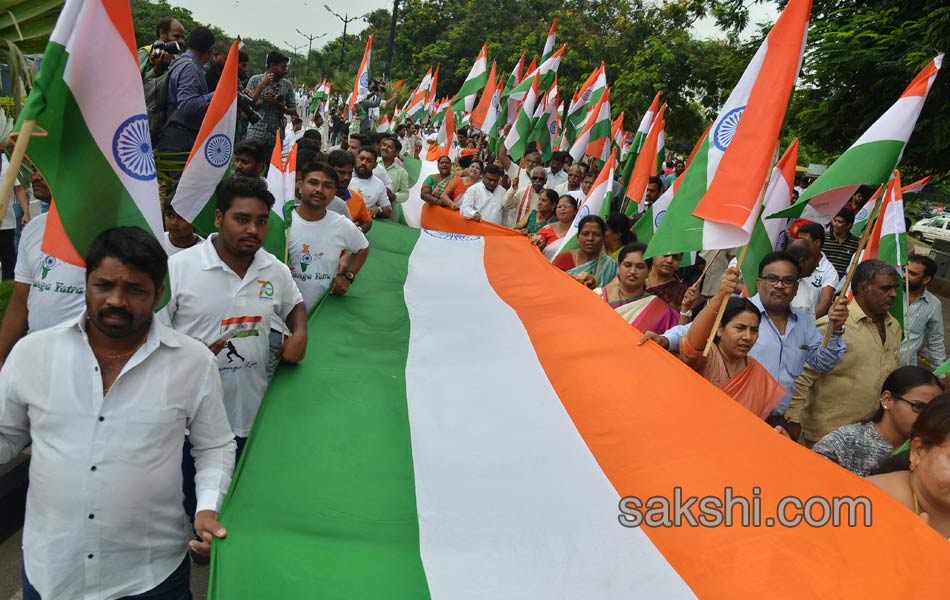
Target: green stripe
{"points": [[759, 246], [679, 230], [867, 164], [469, 87], [643, 228], [413, 167], [324, 496], [89, 195]]}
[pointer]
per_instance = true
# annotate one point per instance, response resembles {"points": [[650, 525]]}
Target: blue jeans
{"points": [[176, 587]]}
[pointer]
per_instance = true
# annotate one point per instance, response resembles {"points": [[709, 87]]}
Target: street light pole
{"points": [[310, 39], [294, 49], [346, 21]]}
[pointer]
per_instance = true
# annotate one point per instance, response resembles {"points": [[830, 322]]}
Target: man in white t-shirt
{"points": [[555, 169], [318, 238], [357, 142], [373, 190], [485, 200], [809, 289], [46, 292], [179, 233], [224, 292], [824, 280]]}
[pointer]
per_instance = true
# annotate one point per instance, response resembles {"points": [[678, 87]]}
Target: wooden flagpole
{"points": [[16, 160]]}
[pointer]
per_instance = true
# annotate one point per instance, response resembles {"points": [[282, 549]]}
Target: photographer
{"points": [[155, 58], [274, 97], [367, 108]]}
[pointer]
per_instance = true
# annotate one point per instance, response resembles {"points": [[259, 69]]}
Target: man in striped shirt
{"points": [[924, 335], [840, 245]]}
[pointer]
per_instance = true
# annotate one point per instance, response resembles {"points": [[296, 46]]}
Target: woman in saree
{"points": [[470, 174], [627, 293], [588, 263], [433, 185], [549, 237], [618, 235], [729, 366], [541, 216]]}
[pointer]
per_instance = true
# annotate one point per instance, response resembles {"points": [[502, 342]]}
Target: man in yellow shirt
{"points": [[850, 392]]}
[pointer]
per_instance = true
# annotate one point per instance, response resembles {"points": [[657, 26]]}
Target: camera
{"points": [[376, 86], [172, 47], [246, 104]]}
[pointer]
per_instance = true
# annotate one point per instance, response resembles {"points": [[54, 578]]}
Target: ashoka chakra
{"points": [[132, 148], [727, 128], [218, 150]]}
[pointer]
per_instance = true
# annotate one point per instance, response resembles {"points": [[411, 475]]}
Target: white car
{"points": [[928, 230]]}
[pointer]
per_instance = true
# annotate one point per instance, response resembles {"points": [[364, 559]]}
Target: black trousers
{"points": [[7, 253]]}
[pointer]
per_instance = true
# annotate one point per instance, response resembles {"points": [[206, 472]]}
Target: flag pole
{"points": [[745, 248], [16, 160], [906, 336], [854, 264]]}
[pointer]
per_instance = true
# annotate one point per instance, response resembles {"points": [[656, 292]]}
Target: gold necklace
{"points": [[118, 356]]}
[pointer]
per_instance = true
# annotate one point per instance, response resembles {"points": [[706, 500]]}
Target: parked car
{"points": [[928, 230]]}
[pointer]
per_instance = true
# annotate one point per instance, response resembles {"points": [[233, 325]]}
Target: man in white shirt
{"points": [[485, 200], [106, 399], [357, 142], [318, 238], [179, 233], [374, 192], [526, 200], [824, 279], [555, 169], [225, 291], [572, 187], [46, 290], [809, 290]]}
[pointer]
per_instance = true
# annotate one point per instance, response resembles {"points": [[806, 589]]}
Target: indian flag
{"points": [[433, 90], [514, 80], [588, 94], [320, 96], [862, 217], [476, 80], [361, 84], [720, 198], [645, 123], [888, 239], [545, 72], [500, 474], [545, 124], [617, 135], [549, 42], [93, 144], [283, 188], [384, 125], [597, 203], [245, 326], [644, 167], [445, 139], [871, 159], [767, 233], [210, 158], [417, 101], [594, 138], [485, 113], [517, 139]]}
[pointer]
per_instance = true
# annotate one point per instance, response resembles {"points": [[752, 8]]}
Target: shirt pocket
{"points": [[148, 437], [793, 360]]}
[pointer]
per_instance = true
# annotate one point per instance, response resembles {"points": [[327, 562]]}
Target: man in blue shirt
{"points": [[188, 97], [787, 336]]}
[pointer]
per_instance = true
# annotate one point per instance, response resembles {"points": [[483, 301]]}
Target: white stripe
{"points": [[511, 502], [896, 124], [412, 207], [66, 22], [200, 176], [87, 74]]}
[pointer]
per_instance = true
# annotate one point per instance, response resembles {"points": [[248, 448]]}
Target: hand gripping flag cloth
{"points": [[483, 457]]}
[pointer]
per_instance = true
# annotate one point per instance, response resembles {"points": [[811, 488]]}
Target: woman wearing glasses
{"points": [[728, 365], [860, 447]]}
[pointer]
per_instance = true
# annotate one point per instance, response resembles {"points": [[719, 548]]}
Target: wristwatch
{"points": [[350, 275], [686, 313]]}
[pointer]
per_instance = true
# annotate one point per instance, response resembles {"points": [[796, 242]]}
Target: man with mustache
{"points": [[228, 289], [105, 399], [787, 336], [823, 402], [924, 317]]}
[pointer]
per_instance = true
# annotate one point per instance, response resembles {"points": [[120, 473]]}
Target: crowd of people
{"points": [[123, 409]]}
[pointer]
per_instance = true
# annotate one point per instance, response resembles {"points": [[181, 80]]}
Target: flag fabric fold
{"points": [[361, 83], [597, 203], [475, 81]]}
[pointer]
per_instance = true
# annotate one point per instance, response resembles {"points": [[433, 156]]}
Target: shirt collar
{"points": [[757, 300], [158, 333], [210, 259]]}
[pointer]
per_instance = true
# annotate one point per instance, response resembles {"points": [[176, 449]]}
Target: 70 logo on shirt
{"points": [[267, 290]]}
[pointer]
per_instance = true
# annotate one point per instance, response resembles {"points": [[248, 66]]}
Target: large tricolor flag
{"points": [[210, 158], [549, 42], [871, 159], [476, 80], [597, 202], [361, 83], [888, 239], [546, 72], [93, 144], [496, 475], [767, 233], [645, 166], [718, 203]]}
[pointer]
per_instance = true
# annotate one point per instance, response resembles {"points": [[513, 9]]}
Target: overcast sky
{"points": [[278, 20]]}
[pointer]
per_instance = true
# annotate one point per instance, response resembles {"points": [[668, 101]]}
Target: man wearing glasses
{"points": [[788, 337], [823, 402], [525, 199]]}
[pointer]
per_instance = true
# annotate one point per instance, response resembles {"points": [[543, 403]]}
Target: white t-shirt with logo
{"points": [[372, 189], [57, 288], [208, 299], [314, 250]]}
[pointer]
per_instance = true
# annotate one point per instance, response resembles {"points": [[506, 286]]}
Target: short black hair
{"points": [[164, 24], [814, 230], [847, 215], [735, 306], [492, 170], [592, 219], [394, 140], [323, 167], [243, 56], [371, 149], [559, 155], [201, 39], [312, 134], [306, 143], [930, 267], [778, 256], [133, 247], [252, 149], [341, 158], [655, 180], [296, 120], [275, 58], [305, 154], [362, 139], [635, 247], [241, 187]]}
